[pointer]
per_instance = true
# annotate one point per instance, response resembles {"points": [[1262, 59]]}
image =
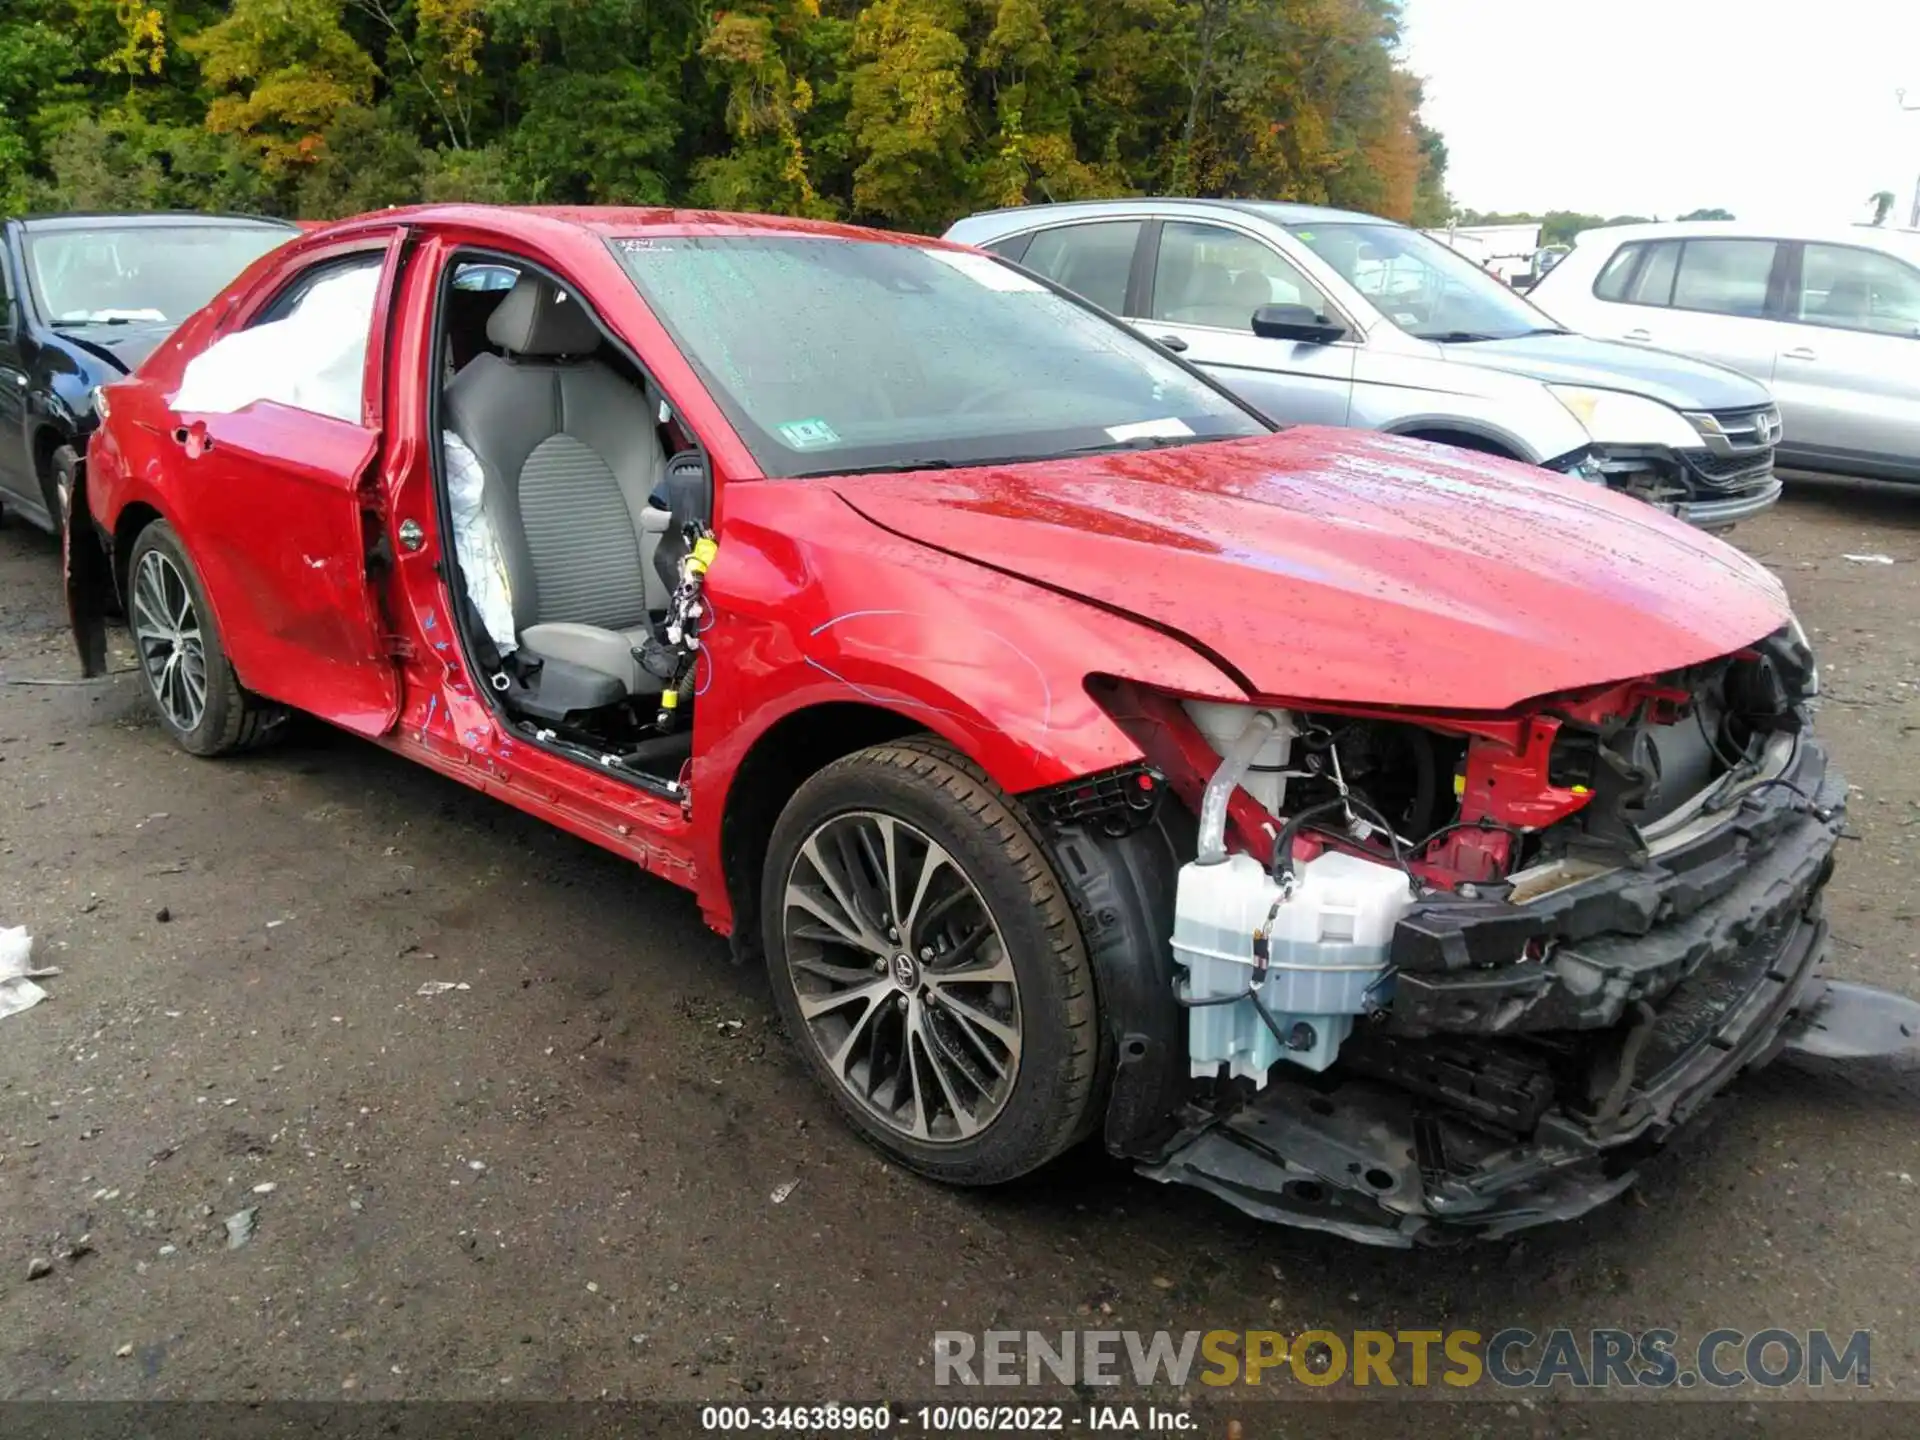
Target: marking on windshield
{"points": [[808, 434], [1172, 426]]}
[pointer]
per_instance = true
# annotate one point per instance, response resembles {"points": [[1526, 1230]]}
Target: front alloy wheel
{"points": [[902, 977], [925, 962]]}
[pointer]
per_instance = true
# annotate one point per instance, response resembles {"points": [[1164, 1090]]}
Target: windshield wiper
{"points": [[907, 467], [1456, 337], [75, 324], [890, 467], [1140, 442]]}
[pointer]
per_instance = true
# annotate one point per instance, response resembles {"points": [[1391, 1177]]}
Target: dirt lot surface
{"points": [[559, 1179]]}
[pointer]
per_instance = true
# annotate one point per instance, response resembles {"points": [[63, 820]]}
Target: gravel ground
{"points": [[559, 1179]]}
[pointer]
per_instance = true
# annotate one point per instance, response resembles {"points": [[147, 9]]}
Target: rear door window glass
{"points": [[1011, 248], [1612, 282], [307, 349], [1093, 260], [1653, 284], [1726, 277]]}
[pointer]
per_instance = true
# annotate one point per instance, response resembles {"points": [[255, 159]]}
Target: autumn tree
{"points": [[35, 63], [768, 55], [284, 70], [895, 112], [908, 120]]}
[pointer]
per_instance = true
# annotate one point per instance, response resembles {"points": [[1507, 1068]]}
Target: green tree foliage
{"points": [[909, 116], [282, 71], [894, 112], [1558, 227], [36, 66]]}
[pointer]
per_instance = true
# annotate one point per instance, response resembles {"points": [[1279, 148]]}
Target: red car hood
{"points": [[1337, 565]]}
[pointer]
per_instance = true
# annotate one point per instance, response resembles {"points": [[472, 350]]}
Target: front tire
{"points": [[927, 966], [177, 646]]}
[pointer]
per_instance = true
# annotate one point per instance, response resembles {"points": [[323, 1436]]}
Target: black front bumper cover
{"points": [[1712, 952]]}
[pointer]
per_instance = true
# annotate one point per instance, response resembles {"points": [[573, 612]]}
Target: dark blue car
{"points": [[85, 299]]}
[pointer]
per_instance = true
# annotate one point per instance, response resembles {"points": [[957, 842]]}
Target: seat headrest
{"points": [[1251, 289], [1210, 283], [538, 318], [1849, 298]]}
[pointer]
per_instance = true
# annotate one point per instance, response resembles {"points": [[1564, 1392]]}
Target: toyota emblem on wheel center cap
{"points": [[906, 973]]}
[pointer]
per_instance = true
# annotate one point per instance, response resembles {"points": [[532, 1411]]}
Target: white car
{"points": [[1830, 318]]}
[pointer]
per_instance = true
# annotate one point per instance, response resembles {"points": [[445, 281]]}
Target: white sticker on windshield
{"points": [[808, 434], [144, 316], [985, 270], [1150, 429]]}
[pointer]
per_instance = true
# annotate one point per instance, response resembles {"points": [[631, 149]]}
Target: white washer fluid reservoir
{"points": [[1223, 725], [1327, 957]]}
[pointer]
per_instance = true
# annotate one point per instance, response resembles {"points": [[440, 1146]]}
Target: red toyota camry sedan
{"points": [[1387, 839]]}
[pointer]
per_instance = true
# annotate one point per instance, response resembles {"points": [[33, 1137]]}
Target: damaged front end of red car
{"points": [[1439, 975]]}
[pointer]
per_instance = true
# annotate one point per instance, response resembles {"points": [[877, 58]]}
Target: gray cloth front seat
{"points": [[570, 455], [1214, 296], [1850, 300]]}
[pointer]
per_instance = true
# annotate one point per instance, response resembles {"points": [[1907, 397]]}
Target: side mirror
{"points": [[1296, 322]]}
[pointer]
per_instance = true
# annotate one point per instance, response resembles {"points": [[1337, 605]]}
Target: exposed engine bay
{"points": [[1444, 975]]}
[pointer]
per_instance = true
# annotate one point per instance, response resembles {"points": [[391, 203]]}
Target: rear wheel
{"points": [[926, 964], [177, 644]]}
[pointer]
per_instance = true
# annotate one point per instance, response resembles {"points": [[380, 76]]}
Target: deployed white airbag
{"points": [[475, 545], [315, 359]]}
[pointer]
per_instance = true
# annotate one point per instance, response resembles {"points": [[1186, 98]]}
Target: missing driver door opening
{"points": [[570, 526]]}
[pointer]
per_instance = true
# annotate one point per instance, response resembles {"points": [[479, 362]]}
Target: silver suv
{"points": [[1331, 317], [1830, 318]]}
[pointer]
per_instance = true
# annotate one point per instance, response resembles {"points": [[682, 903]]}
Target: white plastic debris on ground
{"points": [[17, 992], [315, 359], [475, 545], [1869, 559]]}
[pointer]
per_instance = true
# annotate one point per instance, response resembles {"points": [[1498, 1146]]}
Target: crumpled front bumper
{"points": [[1710, 491], [1722, 512], [1727, 963]]}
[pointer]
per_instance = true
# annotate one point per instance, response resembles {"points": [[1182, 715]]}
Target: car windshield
{"points": [[140, 275], [833, 355], [1425, 289]]}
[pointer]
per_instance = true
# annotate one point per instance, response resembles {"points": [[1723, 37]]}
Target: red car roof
{"points": [[613, 220]]}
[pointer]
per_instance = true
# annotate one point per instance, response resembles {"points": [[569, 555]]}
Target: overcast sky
{"points": [[1780, 108]]}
